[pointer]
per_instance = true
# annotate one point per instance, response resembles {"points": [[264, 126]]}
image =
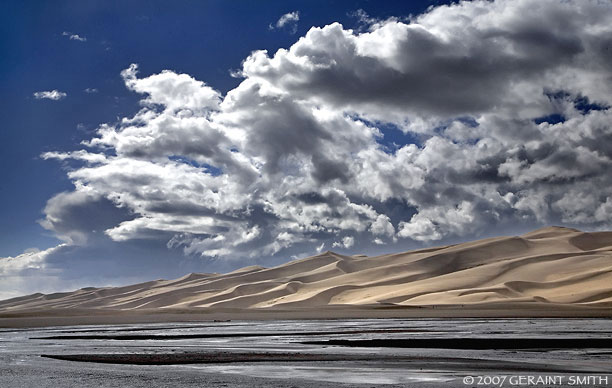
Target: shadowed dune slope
{"points": [[555, 265]]}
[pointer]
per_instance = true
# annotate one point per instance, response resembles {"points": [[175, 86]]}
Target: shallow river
{"points": [[365, 364]]}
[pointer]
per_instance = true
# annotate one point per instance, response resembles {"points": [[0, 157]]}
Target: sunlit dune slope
{"points": [[556, 265]]}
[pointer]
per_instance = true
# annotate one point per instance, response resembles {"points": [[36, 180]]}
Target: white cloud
{"points": [[26, 272], [72, 36], [31, 259], [365, 21], [292, 157], [76, 155], [436, 68], [320, 247], [347, 242], [382, 226], [289, 19], [50, 95], [90, 90], [172, 91]]}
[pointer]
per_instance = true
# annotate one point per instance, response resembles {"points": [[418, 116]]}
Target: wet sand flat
{"points": [[69, 317], [303, 353]]}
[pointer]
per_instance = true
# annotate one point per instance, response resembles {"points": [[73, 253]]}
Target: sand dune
{"points": [[555, 266]]}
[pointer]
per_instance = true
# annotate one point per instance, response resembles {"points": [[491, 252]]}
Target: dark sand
{"points": [[494, 343], [70, 317], [457, 364]]}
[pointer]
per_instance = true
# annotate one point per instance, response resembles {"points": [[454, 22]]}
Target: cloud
{"points": [[72, 36], [319, 249], [363, 17], [172, 91], [78, 217], [506, 105], [365, 21], [347, 242], [434, 68], [90, 90], [69, 267], [382, 226], [26, 272], [75, 155], [30, 259], [54, 95], [289, 20]]}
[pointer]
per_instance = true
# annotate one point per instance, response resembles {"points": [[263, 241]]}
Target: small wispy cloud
{"points": [[72, 36], [288, 20], [49, 95], [320, 248], [90, 90], [363, 17], [367, 22]]}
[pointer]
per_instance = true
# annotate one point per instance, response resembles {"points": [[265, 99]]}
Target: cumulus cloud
{"points": [[436, 68], [90, 90], [506, 103], [50, 95], [288, 20], [82, 215], [72, 36], [347, 242], [382, 226]]}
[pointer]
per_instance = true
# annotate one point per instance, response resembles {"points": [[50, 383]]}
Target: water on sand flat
{"points": [[277, 353]]}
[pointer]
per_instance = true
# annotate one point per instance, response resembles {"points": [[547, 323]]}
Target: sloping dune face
{"points": [[557, 265]]}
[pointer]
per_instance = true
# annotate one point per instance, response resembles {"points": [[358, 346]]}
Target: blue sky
{"points": [[149, 139]]}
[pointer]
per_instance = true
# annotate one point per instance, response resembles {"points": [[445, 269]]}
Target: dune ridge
{"points": [[553, 265]]}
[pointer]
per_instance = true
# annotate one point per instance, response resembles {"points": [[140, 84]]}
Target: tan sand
{"points": [[549, 272]]}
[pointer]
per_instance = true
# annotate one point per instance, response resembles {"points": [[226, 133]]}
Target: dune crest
{"points": [[550, 265]]}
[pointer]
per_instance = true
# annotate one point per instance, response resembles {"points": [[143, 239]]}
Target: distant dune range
{"points": [[547, 272]]}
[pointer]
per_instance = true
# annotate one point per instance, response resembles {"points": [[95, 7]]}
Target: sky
{"points": [[149, 139]]}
